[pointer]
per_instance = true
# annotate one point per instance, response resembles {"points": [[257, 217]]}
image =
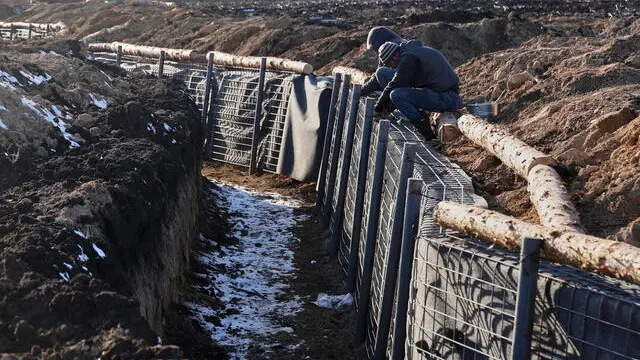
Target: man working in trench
{"points": [[414, 79]]}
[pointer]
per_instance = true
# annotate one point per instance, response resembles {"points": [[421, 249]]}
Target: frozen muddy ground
{"points": [[251, 276]]}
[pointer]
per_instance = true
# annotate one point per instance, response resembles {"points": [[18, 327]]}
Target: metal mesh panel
{"points": [[339, 163], [585, 316], [233, 111], [398, 136], [36, 33], [365, 215], [462, 306], [333, 147], [232, 106], [461, 303], [344, 250], [276, 102]]}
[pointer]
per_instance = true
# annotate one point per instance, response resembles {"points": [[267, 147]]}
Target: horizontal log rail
{"points": [[609, 257]]}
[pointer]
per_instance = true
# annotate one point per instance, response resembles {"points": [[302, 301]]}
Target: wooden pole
{"points": [[357, 76], [513, 152], [547, 190], [551, 200], [273, 63], [588, 252]]}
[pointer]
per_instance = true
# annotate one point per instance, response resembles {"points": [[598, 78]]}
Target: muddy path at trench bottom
{"points": [[267, 270]]}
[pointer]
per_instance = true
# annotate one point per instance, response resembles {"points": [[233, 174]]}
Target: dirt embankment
{"points": [[99, 199], [291, 34], [581, 105]]}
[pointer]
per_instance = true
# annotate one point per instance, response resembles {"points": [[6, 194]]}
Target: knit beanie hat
{"points": [[387, 50]]}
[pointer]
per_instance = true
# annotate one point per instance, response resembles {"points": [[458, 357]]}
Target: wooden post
{"points": [[46, 34], [161, 64], [30, 29], [119, 56], [257, 118], [11, 32]]}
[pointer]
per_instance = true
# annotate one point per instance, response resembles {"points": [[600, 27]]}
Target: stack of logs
{"points": [[564, 238]]}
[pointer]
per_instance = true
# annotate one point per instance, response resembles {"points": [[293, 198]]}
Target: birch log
{"points": [[547, 191], [273, 63], [551, 200], [148, 51], [606, 256], [512, 151], [357, 76]]}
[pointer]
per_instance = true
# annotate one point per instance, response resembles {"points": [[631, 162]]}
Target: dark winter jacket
{"points": [[420, 67]]}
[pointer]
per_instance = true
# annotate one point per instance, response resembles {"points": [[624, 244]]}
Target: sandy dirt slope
{"points": [[582, 108]]}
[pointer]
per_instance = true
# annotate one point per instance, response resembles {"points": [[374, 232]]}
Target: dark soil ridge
{"points": [[129, 192]]}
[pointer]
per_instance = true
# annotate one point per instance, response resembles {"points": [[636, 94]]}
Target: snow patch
{"points": [[82, 257], [257, 269], [151, 128], [7, 80], [99, 251], [67, 265], [101, 103], [80, 233], [36, 79], [50, 118], [3, 126], [54, 53], [64, 276]]}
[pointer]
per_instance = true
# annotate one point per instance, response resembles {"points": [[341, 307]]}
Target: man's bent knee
{"points": [[398, 95]]}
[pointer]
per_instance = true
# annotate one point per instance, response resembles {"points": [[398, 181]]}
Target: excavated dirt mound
{"points": [[314, 31], [580, 104], [88, 159]]}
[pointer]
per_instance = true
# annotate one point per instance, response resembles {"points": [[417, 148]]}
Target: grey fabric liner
{"points": [[304, 129]]}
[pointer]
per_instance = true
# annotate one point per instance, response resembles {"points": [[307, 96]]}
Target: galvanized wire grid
{"points": [[278, 87], [233, 112], [398, 136], [192, 75], [365, 216], [333, 147], [586, 316], [36, 33], [339, 164], [346, 238], [462, 306], [461, 303], [232, 106]]}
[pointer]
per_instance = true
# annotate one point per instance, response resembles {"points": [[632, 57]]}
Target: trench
{"points": [[264, 261]]}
